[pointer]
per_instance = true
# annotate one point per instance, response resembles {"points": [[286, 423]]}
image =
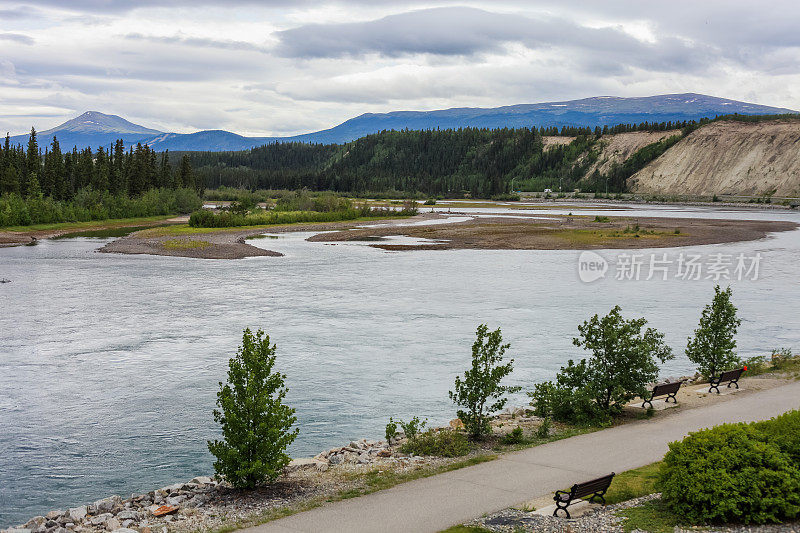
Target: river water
{"points": [[109, 364]]}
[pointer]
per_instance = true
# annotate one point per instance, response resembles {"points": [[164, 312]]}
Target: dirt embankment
{"points": [[737, 158], [565, 233], [619, 147]]}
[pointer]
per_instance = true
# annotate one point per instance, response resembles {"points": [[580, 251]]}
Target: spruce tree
{"points": [[712, 347], [185, 175], [256, 424]]}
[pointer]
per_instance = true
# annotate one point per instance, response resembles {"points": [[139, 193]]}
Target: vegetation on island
{"points": [[79, 186], [294, 208]]}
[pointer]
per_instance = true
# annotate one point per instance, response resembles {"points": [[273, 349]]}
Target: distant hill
{"points": [[94, 129], [91, 129]]}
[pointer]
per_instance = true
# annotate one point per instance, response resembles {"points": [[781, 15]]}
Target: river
{"points": [[110, 363]]}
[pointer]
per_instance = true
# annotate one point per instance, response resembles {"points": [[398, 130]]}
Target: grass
{"points": [[178, 244], [465, 529], [186, 229], [633, 483], [86, 225], [653, 516], [601, 236]]}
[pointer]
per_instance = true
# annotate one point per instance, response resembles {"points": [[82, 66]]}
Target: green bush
{"points": [[412, 427], [784, 432], [515, 436], [731, 473], [442, 443], [391, 430], [565, 404], [89, 204]]}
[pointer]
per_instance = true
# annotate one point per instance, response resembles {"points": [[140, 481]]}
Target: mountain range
{"points": [[95, 129]]}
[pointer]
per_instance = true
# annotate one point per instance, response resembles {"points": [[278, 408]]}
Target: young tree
{"points": [[622, 364], [185, 174], [712, 347], [623, 358], [480, 392], [256, 424]]}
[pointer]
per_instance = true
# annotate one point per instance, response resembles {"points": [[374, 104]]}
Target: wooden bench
{"points": [[731, 376], [595, 488], [670, 389]]}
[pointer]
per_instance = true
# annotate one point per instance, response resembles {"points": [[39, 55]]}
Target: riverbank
{"points": [[566, 232], [183, 240], [356, 469], [23, 235], [517, 232]]}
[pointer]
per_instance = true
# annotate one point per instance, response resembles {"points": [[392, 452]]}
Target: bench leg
{"points": [[734, 382], [712, 387], [673, 398], [647, 401], [559, 508]]}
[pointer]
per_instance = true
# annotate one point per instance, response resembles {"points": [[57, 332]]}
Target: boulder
{"points": [[100, 519], [202, 480], [35, 522], [384, 453], [456, 423], [17, 530], [128, 515], [76, 514], [307, 463], [107, 504], [53, 515], [112, 524], [125, 530]]}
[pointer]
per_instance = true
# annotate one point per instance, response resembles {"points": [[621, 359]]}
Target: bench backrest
{"points": [[666, 388], [579, 490], [731, 374]]}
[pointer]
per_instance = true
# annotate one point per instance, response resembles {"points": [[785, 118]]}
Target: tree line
{"points": [[29, 172], [480, 162]]}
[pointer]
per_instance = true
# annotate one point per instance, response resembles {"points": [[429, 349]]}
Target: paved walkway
{"points": [[444, 500]]}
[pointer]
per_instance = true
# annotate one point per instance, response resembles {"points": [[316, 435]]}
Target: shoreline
{"points": [[513, 232], [204, 503]]}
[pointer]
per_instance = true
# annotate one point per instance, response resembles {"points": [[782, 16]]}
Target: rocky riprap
{"points": [[204, 501]]}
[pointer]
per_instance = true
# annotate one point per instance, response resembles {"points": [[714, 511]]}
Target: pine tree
{"points": [[712, 347], [256, 424], [185, 175]]}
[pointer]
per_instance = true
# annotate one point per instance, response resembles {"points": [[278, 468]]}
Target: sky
{"points": [[282, 67]]}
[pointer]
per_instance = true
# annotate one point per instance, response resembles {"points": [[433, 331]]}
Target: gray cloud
{"points": [[17, 38], [199, 42], [464, 31]]}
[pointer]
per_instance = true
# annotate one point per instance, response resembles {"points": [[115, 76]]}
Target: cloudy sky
{"points": [[280, 67]]}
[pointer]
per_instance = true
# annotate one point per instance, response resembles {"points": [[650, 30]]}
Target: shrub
{"points": [[430, 201], [784, 432], [256, 424], [599, 218], [712, 347], [543, 431], [756, 365], [391, 430], [443, 443], [781, 358], [480, 392], [515, 436], [413, 426], [731, 473], [566, 404]]}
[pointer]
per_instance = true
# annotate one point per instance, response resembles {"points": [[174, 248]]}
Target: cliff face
{"points": [[619, 147], [736, 158]]}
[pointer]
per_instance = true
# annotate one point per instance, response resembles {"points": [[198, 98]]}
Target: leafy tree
{"points": [[9, 180], [622, 364], [256, 424], [712, 347], [480, 392]]}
